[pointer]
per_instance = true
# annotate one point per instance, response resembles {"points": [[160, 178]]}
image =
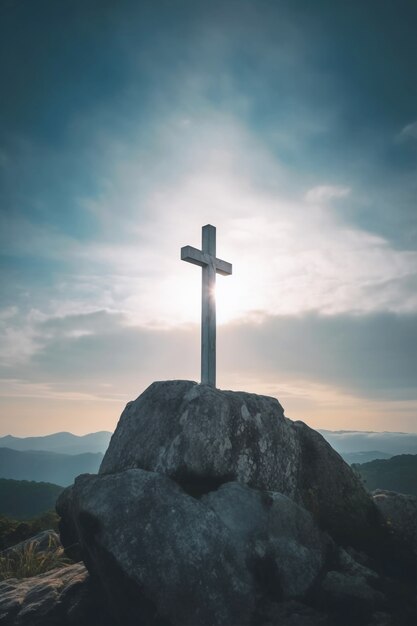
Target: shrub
{"points": [[28, 560], [13, 531]]}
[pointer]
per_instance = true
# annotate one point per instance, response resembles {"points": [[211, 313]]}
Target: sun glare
{"points": [[228, 302], [181, 299]]}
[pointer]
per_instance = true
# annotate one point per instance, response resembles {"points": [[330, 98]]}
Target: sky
{"points": [[126, 126]]}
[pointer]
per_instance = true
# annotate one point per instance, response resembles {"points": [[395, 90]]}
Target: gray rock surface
{"points": [[350, 567], [160, 555], [279, 538], [192, 431], [350, 594], [57, 598], [399, 512], [331, 490], [203, 437], [292, 613]]}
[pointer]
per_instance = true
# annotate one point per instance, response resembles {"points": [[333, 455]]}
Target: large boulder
{"points": [[161, 556], [203, 437], [283, 546], [198, 434]]}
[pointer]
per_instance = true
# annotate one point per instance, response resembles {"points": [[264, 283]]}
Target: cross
{"points": [[206, 258]]}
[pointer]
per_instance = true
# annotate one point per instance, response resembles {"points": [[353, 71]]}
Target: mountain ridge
{"points": [[63, 442], [353, 445], [386, 442], [399, 474], [45, 466]]}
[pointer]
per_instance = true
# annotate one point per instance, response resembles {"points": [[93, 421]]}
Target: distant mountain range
{"points": [[66, 443], [53, 467], [396, 474], [60, 457], [349, 441], [364, 456], [346, 442]]}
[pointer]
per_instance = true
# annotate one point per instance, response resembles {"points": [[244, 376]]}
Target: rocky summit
{"points": [[211, 508], [202, 437]]}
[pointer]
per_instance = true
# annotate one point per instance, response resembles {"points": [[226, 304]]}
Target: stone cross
{"points": [[206, 259]]}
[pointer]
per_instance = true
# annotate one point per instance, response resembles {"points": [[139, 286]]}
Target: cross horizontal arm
{"points": [[195, 256], [192, 255], [223, 267]]}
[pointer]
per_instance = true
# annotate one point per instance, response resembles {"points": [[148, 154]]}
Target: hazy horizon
{"points": [[125, 127], [83, 434]]}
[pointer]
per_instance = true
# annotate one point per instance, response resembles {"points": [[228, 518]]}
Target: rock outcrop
{"points": [[198, 434], [203, 437], [211, 508]]}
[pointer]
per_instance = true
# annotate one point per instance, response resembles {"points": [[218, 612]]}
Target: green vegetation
{"points": [[30, 561], [396, 474], [13, 531], [23, 499]]}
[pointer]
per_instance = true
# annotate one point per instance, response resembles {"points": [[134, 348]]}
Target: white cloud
{"points": [[409, 131], [289, 255], [323, 193], [343, 371]]}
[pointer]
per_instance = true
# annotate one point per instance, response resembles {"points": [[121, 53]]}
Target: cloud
{"points": [[341, 371], [323, 193], [374, 356], [160, 135], [391, 442], [409, 131], [371, 355], [290, 254]]}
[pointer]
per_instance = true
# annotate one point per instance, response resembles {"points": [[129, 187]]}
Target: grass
{"points": [[29, 561]]}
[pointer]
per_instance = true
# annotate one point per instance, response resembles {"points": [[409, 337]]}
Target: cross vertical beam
{"points": [[206, 259], [208, 308]]}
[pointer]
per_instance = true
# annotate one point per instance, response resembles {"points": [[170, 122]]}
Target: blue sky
{"points": [[290, 126]]}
